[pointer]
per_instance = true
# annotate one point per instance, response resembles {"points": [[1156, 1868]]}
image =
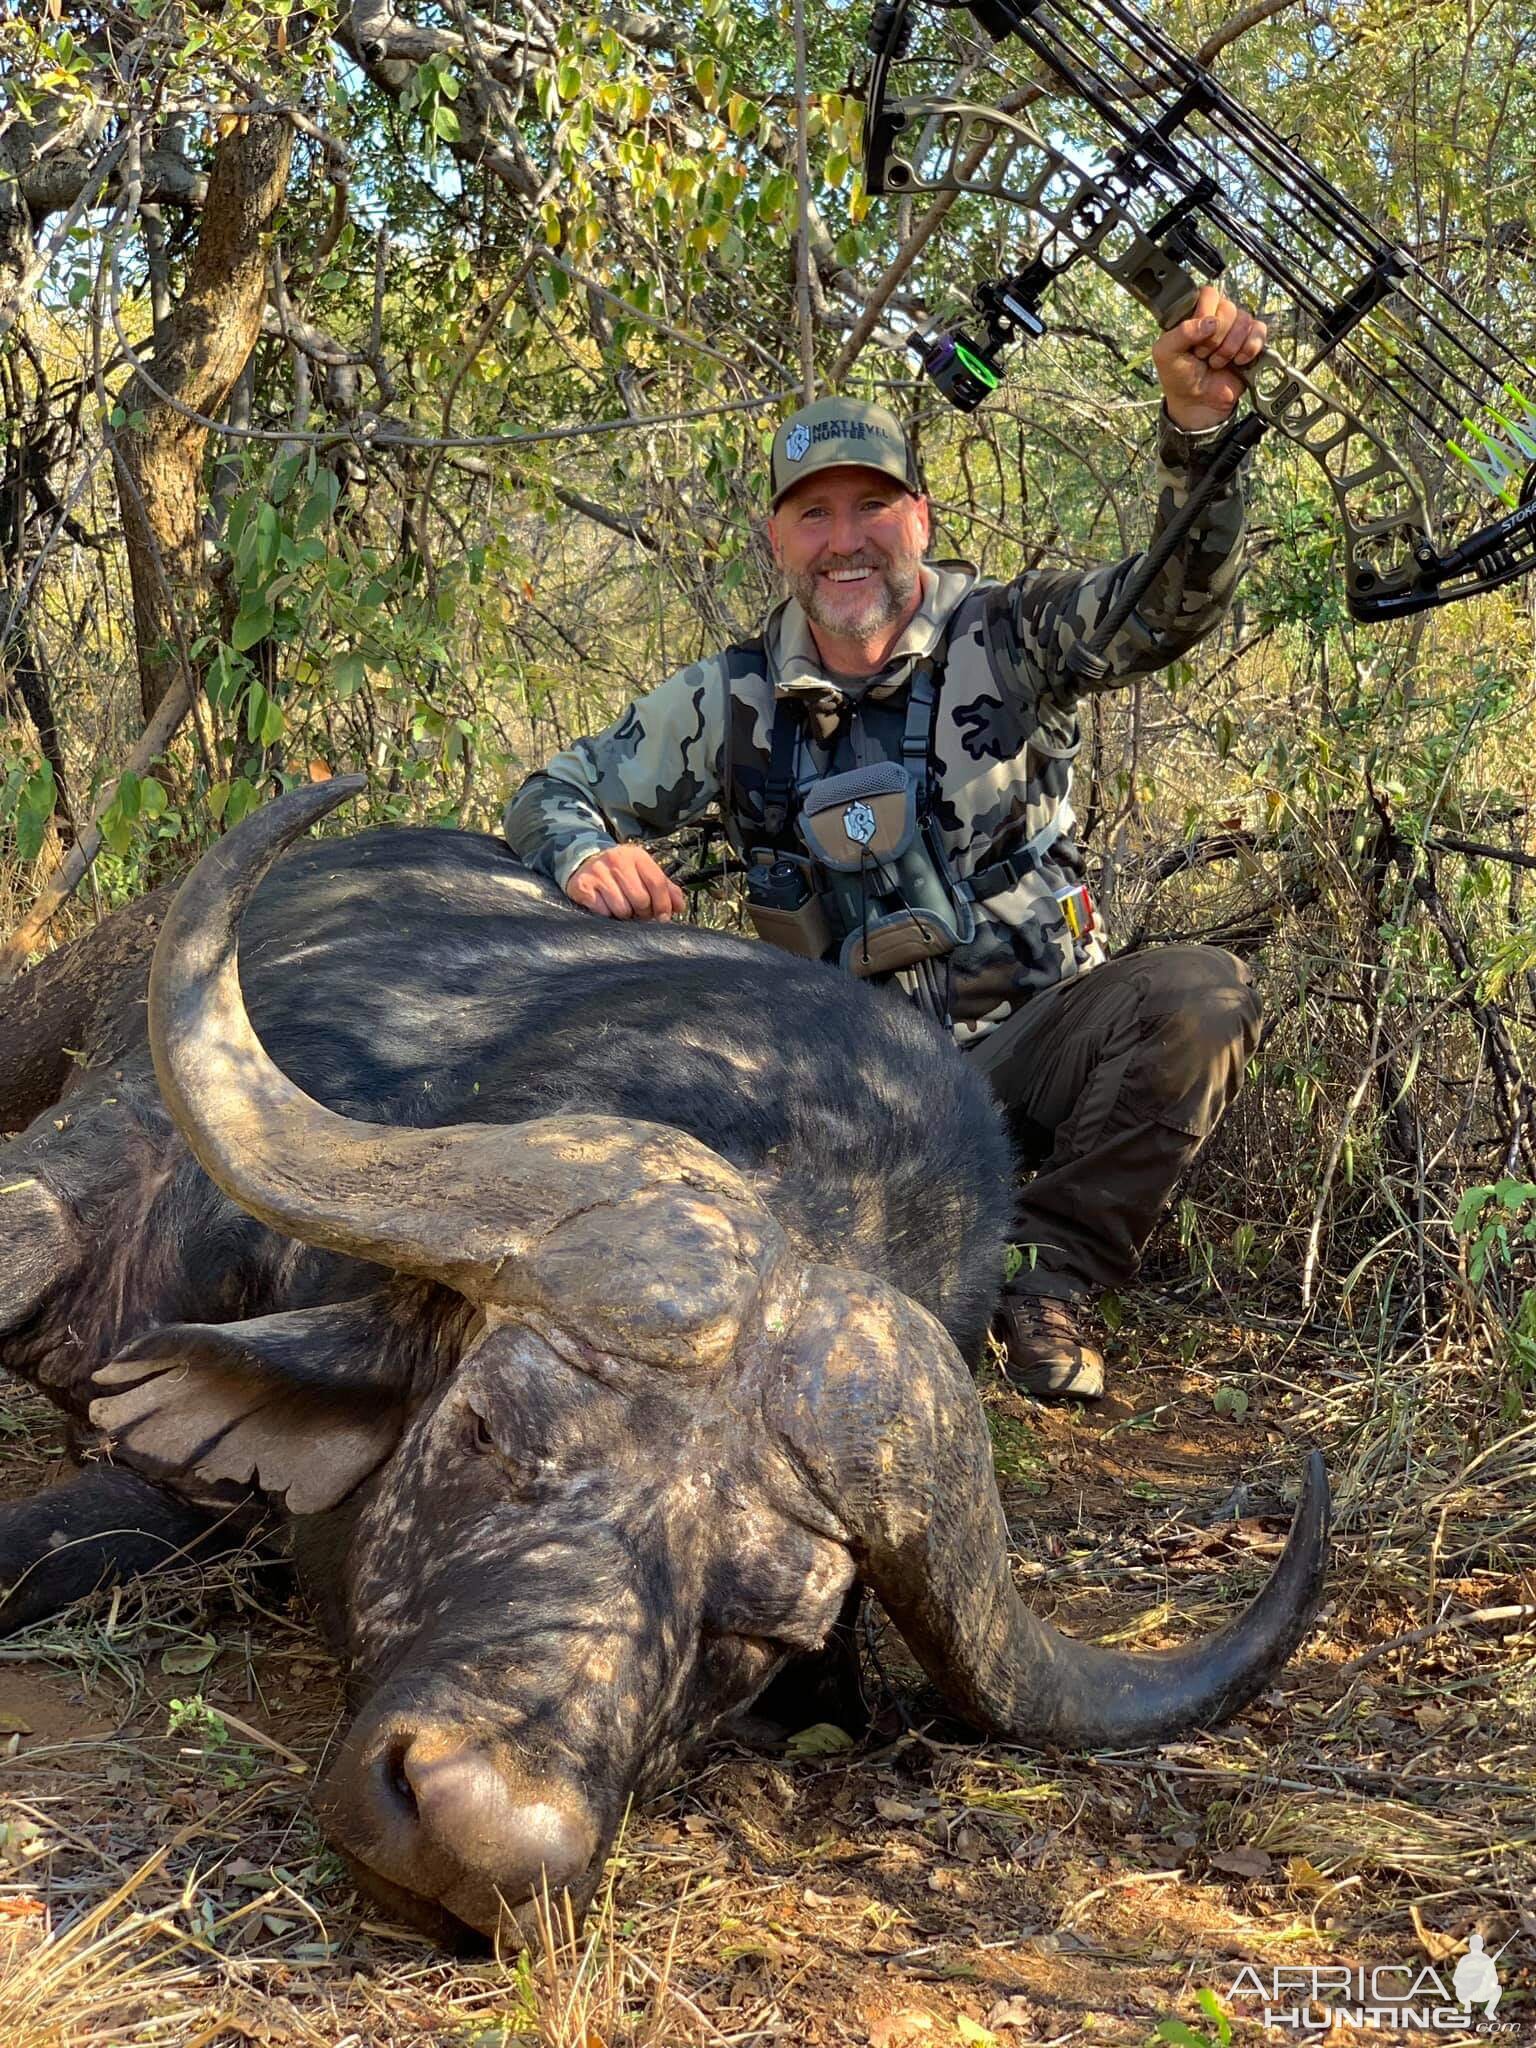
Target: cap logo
{"points": [[796, 441]]}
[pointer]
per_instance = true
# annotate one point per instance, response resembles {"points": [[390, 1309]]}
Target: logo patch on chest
{"points": [[859, 823]]}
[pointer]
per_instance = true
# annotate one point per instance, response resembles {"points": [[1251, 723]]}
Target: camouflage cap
{"points": [[840, 433]]}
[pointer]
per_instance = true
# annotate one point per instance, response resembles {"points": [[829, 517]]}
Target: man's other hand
{"points": [[624, 882], [1197, 361]]}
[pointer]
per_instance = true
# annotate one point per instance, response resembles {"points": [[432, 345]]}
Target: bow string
{"points": [[1130, 156]]}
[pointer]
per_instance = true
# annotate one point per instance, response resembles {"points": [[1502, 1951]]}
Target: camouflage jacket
{"points": [[1005, 734]]}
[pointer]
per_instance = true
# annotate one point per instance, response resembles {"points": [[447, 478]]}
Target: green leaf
{"points": [[126, 802], [1182, 2036], [319, 505], [445, 122], [1230, 1401], [348, 673], [267, 533], [1469, 1208], [253, 622], [30, 834], [776, 194], [152, 797], [822, 1738], [1211, 2006], [242, 800]]}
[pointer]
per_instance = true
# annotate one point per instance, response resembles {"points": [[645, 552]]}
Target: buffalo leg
{"points": [[103, 1525]]}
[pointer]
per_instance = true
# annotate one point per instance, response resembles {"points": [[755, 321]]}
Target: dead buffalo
{"points": [[593, 1302]]}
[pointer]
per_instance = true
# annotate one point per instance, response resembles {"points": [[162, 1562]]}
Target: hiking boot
{"points": [[1045, 1352]]}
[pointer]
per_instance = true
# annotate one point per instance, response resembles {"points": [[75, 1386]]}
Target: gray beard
{"points": [[890, 596]]}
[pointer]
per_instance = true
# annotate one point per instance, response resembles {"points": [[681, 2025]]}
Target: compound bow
{"points": [[1406, 398]]}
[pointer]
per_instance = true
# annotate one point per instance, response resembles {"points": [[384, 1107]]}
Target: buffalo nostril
{"points": [[394, 1779], [468, 1808]]}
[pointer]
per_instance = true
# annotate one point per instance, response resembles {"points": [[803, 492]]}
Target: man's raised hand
{"points": [[1197, 360], [624, 881]]}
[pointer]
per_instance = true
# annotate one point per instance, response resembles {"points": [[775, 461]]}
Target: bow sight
{"points": [[1407, 399]]}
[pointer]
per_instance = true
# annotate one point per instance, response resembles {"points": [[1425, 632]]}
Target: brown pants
{"points": [[1112, 1082]]}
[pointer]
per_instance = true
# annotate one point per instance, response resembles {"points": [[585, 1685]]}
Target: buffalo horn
{"points": [[509, 1215], [884, 1416]]}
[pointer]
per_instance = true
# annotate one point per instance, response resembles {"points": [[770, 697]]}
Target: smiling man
{"points": [[892, 757]]}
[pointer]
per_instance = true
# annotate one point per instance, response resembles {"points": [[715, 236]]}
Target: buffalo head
{"points": [[598, 1456]]}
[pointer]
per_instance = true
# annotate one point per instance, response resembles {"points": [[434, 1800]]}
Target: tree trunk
{"points": [[208, 339]]}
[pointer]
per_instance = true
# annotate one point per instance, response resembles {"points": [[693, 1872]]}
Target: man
{"points": [[1112, 1078]]}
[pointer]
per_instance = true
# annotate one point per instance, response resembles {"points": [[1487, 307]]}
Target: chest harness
{"points": [[852, 867]]}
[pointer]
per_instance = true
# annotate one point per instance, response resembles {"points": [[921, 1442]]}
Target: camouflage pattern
{"points": [[1003, 751]]}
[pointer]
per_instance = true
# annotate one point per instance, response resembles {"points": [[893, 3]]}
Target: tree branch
{"points": [[1238, 25]]}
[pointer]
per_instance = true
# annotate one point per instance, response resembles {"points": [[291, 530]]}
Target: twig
{"points": [[260, 1736], [803, 205], [1444, 1626], [1447, 842]]}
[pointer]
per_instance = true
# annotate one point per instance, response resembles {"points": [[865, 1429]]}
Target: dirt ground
{"points": [[163, 1883]]}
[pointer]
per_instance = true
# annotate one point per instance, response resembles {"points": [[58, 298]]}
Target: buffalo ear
{"points": [[42, 1246], [303, 1405]]}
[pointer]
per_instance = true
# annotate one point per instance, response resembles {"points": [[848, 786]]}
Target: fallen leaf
{"points": [[1438, 1947], [1429, 1716], [1243, 1862], [822, 1738], [1230, 1401], [898, 2027], [762, 1948], [1305, 1875], [188, 1658], [897, 1809], [1011, 2012], [977, 2037]]}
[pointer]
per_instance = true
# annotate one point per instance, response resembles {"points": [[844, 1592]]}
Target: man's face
{"points": [[850, 542]]}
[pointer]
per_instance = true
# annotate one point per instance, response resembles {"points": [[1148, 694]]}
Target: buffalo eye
{"points": [[481, 1441]]}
